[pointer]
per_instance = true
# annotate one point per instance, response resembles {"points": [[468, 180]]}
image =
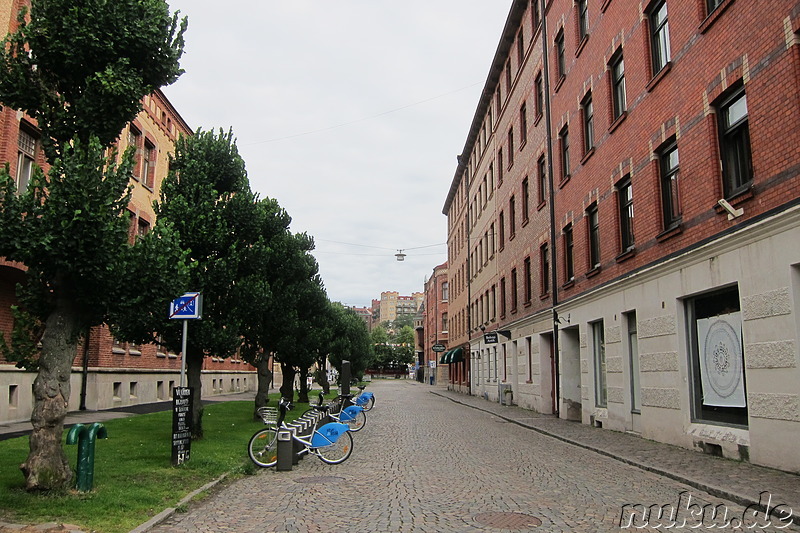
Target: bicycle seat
{"points": [[324, 408], [362, 387]]}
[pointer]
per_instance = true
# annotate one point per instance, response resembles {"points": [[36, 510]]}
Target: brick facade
{"points": [[671, 197]]}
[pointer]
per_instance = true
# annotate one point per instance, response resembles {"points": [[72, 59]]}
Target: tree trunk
{"points": [[194, 368], [321, 375], [302, 395], [287, 386], [264, 381], [47, 466]]}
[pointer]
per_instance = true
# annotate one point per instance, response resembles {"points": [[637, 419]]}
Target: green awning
{"points": [[443, 359], [456, 355]]}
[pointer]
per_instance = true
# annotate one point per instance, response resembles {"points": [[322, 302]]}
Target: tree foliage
{"points": [[80, 68]]}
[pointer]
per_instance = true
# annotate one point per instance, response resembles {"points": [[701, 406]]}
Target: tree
{"points": [[350, 341], [80, 69], [207, 198]]}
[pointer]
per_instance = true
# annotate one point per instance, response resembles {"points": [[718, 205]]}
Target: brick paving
{"points": [[432, 460], [435, 461]]}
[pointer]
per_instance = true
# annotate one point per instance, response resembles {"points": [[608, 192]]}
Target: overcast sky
{"points": [[351, 114]]}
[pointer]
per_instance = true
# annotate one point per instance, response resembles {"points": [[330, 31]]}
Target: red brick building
{"points": [[643, 195], [106, 373], [434, 329]]}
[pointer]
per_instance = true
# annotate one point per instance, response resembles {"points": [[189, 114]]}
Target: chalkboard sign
{"points": [[181, 424]]}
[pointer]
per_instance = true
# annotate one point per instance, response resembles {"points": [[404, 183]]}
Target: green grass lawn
{"points": [[133, 475]]}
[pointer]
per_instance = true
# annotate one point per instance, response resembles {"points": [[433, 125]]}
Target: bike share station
{"points": [[187, 307], [289, 449]]}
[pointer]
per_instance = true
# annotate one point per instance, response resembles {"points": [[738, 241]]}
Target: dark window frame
{"points": [[618, 91], [659, 36], [569, 257], [669, 179], [625, 214], [587, 115], [734, 143]]}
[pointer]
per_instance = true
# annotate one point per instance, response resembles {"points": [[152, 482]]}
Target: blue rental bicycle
{"points": [[331, 442], [352, 415]]}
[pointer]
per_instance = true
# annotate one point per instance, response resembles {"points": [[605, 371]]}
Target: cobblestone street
{"points": [[424, 463]]}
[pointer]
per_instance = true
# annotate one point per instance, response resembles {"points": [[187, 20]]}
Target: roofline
{"points": [[518, 9]]}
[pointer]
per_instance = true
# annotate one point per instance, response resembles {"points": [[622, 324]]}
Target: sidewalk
{"points": [[11, 430], [737, 481]]}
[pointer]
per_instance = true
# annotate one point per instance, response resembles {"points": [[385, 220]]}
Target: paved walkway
{"points": [[733, 480], [431, 460]]}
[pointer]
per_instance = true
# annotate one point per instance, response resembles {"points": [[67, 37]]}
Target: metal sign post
{"points": [[187, 307]]}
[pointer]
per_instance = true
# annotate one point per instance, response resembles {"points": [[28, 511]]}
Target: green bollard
{"points": [[85, 438]]}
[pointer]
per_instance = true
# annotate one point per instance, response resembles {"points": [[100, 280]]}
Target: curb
{"points": [[715, 491], [169, 511]]}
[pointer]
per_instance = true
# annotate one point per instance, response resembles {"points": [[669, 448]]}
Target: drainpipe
{"points": [[469, 270], [85, 372], [552, 197]]}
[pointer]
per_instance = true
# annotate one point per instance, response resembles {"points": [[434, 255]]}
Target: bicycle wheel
{"points": [[370, 404], [358, 422], [263, 447], [338, 452]]}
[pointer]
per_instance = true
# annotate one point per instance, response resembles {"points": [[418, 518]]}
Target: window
{"points": [[593, 222], [712, 4], [520, 48], [142, 227], [502, 297], [599, 354], [445, 291], [512, 217], [134, 141], [569, 264], [499, 167], [535, 15], [588, 123], [523, 125], [668, 162], [563, 140], [617, 67], [148, 164], [659, 36], [513, 290], [717, 378], [560, 62], [625, 199], [526, 280], [539, 95], [525, 200], [544, 261], [508, 77], [737, 172], [501, 222], [26, 157], [511, 147], [541, 173], [444, 322], [583, 20]]}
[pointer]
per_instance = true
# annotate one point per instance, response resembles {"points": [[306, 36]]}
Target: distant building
{"points": [[435, 327], [392, 305], [365, 313]]}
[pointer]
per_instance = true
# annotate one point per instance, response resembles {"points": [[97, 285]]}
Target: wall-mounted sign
{"points": [[490, 337], [438, 347]]}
